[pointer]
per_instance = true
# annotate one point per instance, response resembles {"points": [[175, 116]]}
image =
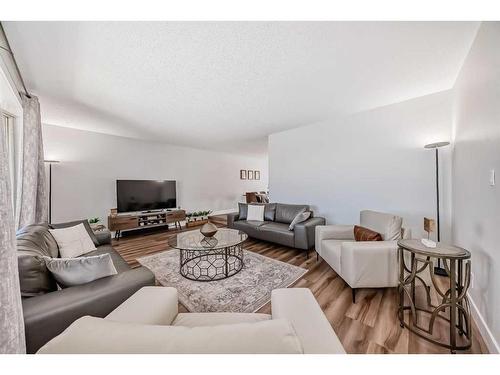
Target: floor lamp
{"points": [[50, 162], [438, 270]]}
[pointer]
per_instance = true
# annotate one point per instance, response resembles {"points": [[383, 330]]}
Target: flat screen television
{"points": [[145, 195]]}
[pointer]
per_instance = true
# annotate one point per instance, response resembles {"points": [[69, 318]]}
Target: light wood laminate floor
{"points": [[368, 326]]}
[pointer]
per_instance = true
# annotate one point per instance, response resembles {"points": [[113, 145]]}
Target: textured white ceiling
{"points": [[227, 85]]}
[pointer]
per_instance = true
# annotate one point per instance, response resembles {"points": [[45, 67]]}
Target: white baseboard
{"points": [[486, 334]]}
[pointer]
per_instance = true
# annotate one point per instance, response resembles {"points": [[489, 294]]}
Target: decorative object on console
{"points": [[365, 234], [197, 218], [243, 174], [429, 226], [50, 162], [81, 270], [73, 241], [94, 224], [438, 270], [113, 212], [208, 230]]}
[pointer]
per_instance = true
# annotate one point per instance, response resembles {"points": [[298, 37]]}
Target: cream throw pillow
{"points": [[255, 212], [73, 241]]}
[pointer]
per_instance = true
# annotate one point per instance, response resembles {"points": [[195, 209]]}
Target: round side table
{"points": [[453, 305]]}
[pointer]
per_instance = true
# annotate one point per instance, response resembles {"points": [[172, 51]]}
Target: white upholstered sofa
{"points": [[149, 322], [363, 264]]}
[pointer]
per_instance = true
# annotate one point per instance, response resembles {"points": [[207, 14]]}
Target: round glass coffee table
{"points": [[210, 258]]}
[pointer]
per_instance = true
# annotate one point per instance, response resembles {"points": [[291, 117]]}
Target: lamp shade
{"points": [[437, 144]]}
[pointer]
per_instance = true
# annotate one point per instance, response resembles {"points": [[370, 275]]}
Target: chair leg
{"points": [[353, 295], [317, 256], [307, 254]]}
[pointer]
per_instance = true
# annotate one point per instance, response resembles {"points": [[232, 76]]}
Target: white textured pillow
{"points": [[255, 212], [89, 335], [76, 271], [73, 241]]}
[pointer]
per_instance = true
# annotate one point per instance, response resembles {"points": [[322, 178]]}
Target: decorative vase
{"points": [[208, 230]]}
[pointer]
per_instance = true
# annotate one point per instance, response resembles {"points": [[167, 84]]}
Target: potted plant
{"points": [[94, 224]]}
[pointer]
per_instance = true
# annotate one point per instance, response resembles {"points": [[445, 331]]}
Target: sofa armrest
{"points": [[370, 264], [162, 307], [299, 307], [231, 218], [103, 237], [332, 232], [48, 315], [304, 232]]}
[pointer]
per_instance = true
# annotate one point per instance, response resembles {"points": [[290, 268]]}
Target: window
{"points": [[7, 132]]}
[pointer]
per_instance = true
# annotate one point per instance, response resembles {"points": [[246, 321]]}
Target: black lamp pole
{"points": [[50, 162], [438, 270]]}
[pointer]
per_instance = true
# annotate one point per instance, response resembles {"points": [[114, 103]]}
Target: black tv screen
{"points": [[145, 195]]}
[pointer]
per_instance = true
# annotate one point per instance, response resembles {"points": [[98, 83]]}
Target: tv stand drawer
{"points": [[123, 222]]}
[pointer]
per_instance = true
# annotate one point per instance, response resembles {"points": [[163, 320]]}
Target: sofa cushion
{"points": [[277, 232], [365, 234], [217, 319], [285, 213], [33, 242], [388, 225], [94, 335], [74, 223]]}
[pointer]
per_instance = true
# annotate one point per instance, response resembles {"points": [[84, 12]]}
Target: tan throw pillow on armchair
{"points": [[365, 234]]}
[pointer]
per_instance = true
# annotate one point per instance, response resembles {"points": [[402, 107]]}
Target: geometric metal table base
{"points": [[453, 304], [211, 264]]}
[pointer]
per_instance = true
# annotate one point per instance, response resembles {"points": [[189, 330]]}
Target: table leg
{"points": [[413, 299], [401, 286], [459, 291], [453, 306], [225, 261]]}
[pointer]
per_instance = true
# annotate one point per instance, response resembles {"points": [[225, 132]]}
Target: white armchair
{"points": [[364, 264]]}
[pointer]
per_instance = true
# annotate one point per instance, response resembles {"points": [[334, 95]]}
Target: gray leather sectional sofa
{"points": [[275, 227], [49, 310]]}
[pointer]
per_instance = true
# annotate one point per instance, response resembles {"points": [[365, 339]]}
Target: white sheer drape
{"points": [[32, 190], [11, 314]]}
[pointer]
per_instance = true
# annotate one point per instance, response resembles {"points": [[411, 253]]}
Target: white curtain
{"points": [[32, 189], [11, 314]]}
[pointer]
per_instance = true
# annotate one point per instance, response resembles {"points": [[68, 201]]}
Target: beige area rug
{"points": [[247, 291]]}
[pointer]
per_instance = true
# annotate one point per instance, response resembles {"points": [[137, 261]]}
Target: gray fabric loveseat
{"points": [[275, 227], [49, 310]]}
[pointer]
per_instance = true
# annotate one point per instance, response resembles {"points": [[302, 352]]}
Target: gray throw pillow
{"points": [[76, 271], [242, 211], [301, 216]]}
